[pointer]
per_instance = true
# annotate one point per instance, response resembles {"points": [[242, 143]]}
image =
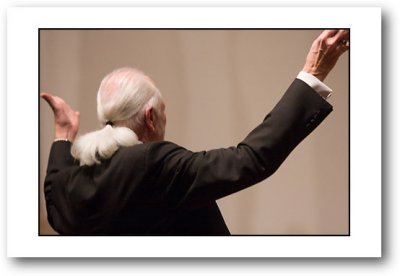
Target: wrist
{"points": [[315, 72], [321, 88], [63, 134], [61, 139]]}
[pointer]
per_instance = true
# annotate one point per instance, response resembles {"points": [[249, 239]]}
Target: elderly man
{"points": [[125, 180]]}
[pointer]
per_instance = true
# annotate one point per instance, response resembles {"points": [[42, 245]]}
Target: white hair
{"points": [[122, 99]]}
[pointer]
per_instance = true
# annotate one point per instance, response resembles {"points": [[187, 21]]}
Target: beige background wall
{"points": [[218, 85]]}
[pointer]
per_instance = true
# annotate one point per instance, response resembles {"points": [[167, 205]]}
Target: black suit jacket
{"points": [[160, 188]]}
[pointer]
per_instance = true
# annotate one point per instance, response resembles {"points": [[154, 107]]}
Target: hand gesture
{"points": [[325, 51], [65, 118]]}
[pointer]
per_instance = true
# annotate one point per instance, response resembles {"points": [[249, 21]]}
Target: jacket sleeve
{"points": [[186, 178], [60, 158]]}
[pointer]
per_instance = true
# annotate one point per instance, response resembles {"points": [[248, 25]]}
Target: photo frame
{"points": [[23, 239]]}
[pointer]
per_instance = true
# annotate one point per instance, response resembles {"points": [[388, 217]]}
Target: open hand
{"points": [[325, 51], [65, 118]]}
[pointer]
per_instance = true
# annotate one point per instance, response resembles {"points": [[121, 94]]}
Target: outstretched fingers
{"points": [[49, 99], [66, 119], [325, 51], [56, 103], [341, 42]]}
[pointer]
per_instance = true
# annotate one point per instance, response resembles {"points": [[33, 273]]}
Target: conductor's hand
{"points": [[65, 118], [325, 51]]}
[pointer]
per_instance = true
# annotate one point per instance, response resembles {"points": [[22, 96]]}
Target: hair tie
{"points": [[109, 123]]}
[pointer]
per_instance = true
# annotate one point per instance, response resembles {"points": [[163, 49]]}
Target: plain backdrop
{"points": [[217, 85]]}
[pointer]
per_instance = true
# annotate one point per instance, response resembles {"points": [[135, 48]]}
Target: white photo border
{"points": [[365, 121]]}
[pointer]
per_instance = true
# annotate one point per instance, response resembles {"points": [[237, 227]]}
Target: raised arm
{"points": [[195, 178]]}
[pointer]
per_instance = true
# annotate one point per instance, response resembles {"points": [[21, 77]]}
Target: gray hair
{"points": [[122, 99]]}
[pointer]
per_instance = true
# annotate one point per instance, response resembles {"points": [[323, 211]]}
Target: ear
{"points": [[150, 118]]}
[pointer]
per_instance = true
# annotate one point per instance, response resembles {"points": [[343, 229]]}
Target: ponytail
{"points": [[102, 144]]}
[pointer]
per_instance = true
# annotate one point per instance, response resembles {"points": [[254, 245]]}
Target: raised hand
{"points": [[325, 51], [65, 118]]}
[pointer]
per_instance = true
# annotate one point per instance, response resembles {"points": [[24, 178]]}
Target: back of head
{"points": [[121, 101], [123, 94]]}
